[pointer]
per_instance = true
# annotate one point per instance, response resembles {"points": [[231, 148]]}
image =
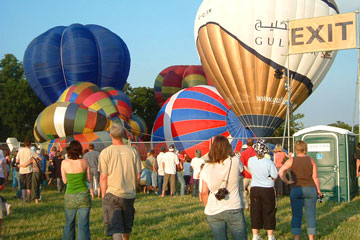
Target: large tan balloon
{"points": [[241, 43]]}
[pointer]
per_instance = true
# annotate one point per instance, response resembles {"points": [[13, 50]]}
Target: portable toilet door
{"points": [[323, 146]]}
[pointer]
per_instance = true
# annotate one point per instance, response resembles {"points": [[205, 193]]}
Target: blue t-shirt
{"points": [[43, 163], [263, 172]]}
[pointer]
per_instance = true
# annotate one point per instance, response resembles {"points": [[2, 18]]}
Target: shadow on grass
{"points": [[331, 215], [25, 234]]}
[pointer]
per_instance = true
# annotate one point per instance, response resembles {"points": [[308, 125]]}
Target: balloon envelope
{"points": [[63, 56], [242, 43], [138, 125], [121, 102], [174, 78], [191, 117], [63, 119], [193, 76], [91, 96]]}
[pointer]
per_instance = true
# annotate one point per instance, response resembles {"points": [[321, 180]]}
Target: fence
{"points": [[187, 147]]}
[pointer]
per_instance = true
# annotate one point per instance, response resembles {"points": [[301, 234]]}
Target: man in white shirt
{"points": [[23, 158], [160, 170], [170, 160], [196, 164]]}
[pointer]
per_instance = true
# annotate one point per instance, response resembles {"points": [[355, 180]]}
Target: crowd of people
{"points": [[226, 175], [82, 174], [171, 173], [251, 179], [226, 182]]}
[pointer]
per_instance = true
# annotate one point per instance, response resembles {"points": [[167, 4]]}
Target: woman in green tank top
{"points": [[75, 172]]}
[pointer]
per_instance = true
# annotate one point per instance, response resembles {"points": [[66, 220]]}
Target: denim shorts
{"points": [[118, 214]]}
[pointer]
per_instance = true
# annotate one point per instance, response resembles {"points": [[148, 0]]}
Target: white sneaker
{"points": [[256, 237], [8, 209], [272, 237]]}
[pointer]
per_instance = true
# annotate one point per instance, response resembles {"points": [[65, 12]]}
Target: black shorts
{"points": [[25, 181], [263, 208], [118, 214]]}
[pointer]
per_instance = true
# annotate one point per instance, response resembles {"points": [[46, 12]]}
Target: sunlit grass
{"points": [[167, 218]]}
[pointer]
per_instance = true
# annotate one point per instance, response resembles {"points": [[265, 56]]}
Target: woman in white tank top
{"points": [[223, 207]]}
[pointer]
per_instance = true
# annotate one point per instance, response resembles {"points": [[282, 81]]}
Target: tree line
{"points": [[19, 106]]}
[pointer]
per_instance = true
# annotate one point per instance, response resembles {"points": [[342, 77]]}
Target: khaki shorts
{"points": [[171, 178]]}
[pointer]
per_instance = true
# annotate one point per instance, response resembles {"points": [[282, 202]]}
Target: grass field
{"points": [[167, 218]]}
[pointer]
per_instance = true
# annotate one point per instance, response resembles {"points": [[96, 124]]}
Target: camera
{"points": [[221, 194], [320, 198]]}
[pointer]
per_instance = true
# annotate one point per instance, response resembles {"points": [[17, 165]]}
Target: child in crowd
{"points": [[187, 174]]}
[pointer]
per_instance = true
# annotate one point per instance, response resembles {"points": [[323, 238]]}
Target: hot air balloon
{"points": [[191, 117], [63, 119], [63, 56], [174, 78], [243, 43], [138, 125], [173, 74], [91, 96], [83, 112], [193, 76], [121, 102]]}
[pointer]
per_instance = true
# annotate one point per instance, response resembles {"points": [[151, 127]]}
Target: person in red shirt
{"points": [[279, 159], [245, 155]]}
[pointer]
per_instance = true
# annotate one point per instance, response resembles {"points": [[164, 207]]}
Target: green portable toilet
{"points": [[333, 150]]}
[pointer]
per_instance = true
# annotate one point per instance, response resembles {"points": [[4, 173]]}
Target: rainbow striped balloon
{"points": [[192, 117], [91, 96]]}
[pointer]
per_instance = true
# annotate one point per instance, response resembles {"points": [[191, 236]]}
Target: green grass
{"points": [[167, 218]]}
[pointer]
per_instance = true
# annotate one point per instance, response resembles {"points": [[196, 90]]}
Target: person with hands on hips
{"points": [[305, 187]]}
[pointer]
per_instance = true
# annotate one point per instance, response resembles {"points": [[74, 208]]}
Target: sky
{"points": [[160, 34]]}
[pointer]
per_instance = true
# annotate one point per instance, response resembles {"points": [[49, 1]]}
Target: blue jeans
{"points": [[181, 179], [303, 197], [15, 181], [232, 219], [148, 177], [83, 224], [160, 183]]}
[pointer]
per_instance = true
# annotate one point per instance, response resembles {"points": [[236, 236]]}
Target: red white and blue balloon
{"points": [[193, 116]]}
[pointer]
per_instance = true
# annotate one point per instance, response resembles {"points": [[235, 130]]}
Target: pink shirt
{"points": [[279, 159], [52, 155]]}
